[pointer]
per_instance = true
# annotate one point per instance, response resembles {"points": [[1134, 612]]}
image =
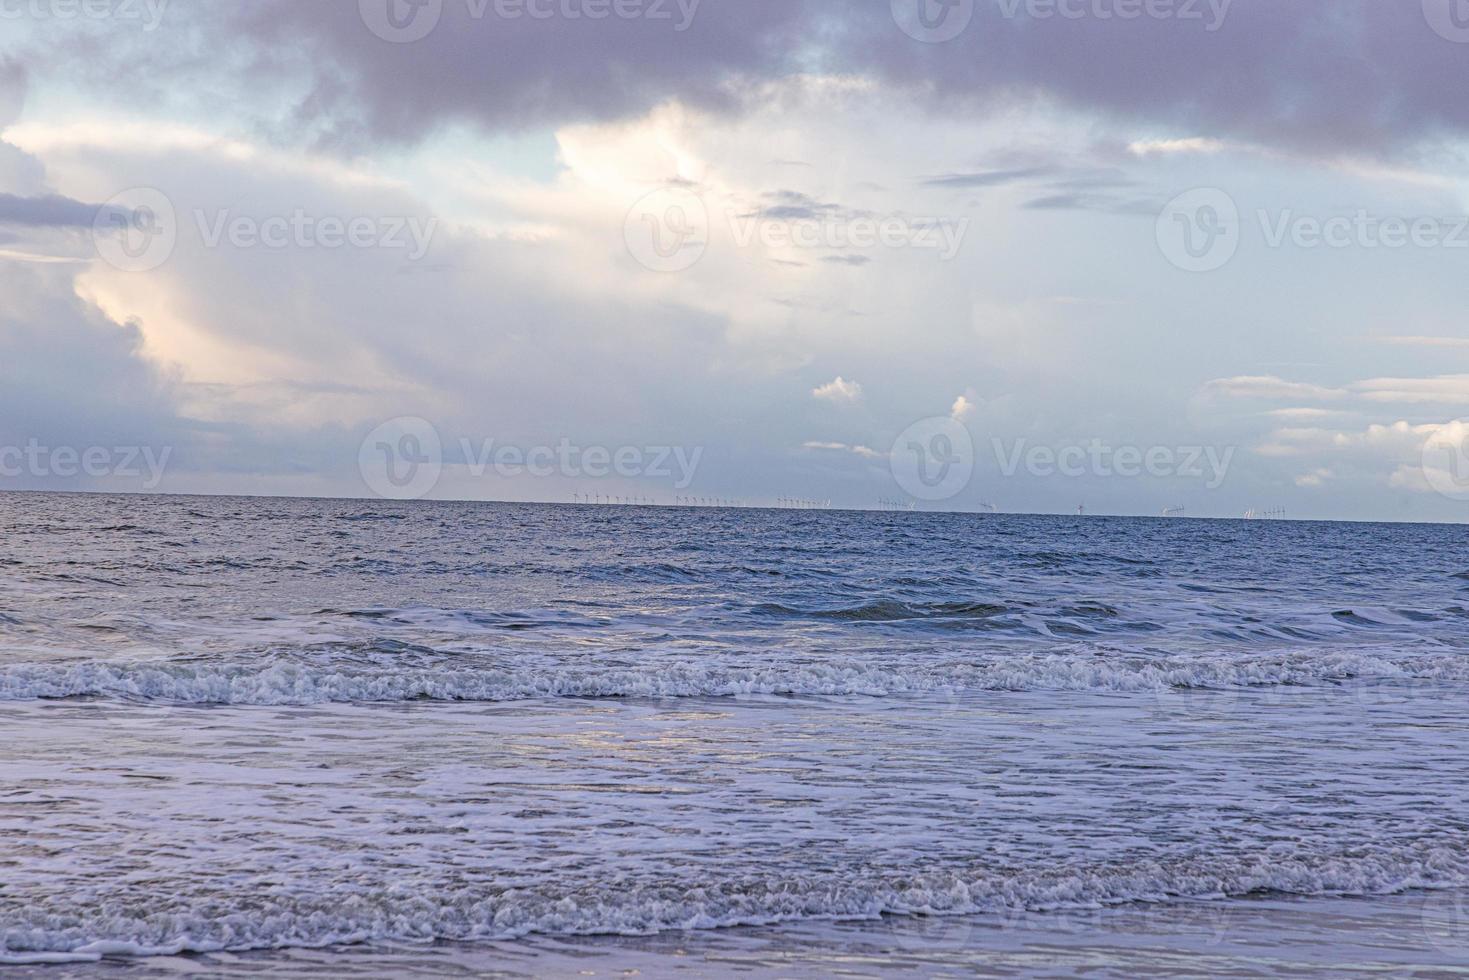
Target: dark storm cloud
{"points": [[520, 71], [1351, 74], [1346, 75]]}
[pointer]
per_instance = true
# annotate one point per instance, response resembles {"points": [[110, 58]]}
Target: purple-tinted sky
{"points": [[1137, 253]]}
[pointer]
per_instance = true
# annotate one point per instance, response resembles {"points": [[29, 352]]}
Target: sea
{"points": [[281, 737]]}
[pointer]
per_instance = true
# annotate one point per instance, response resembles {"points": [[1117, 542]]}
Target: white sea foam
{"points": [[277, 681], [340, 915]]}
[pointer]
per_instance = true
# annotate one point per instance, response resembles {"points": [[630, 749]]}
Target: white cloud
{"points": [[842, 447], [1269, 386], [1396, 440], [840, 391], [963, 408], [1450, 389], [1193, 144], [1305, 414], [1444, 390]]}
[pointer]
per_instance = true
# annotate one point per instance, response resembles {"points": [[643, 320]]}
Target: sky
{"points": [[1196, 257]]}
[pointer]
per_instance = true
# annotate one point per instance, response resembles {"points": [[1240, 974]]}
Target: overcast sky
{"points": [[959, 254]]}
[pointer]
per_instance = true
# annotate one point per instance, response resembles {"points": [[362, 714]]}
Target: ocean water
{"points": [[357, 738]]}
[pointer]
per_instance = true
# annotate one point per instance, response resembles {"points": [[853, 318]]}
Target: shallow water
{"points": [[249, 729]]}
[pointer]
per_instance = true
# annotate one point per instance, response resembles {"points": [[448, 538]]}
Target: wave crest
{"points": [[279, 680], [480, 912]]}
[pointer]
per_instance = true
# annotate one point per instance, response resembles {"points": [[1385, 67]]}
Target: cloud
{"points": [[795, 206], [1443, 390], [1398, 439], [1305, 414], [13, 84], [52, 211], [963, 408], [1172, 147], [70, 376], [989, 178], [1269, 386], [1450, 389], [839, 392], [1234, 71], [513, 73], [842, 447]]}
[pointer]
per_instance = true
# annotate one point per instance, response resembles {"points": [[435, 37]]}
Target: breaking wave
{"points": [[284, 680], [203, 921]]}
